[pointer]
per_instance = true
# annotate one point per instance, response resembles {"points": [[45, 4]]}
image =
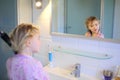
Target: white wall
{"points": [[42, 17], [24, 11]]}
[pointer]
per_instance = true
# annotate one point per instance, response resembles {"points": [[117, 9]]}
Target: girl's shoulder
{"points": [[19, 60]]}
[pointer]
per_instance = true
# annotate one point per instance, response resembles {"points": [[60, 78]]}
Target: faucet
{"points": [[76, 71]]}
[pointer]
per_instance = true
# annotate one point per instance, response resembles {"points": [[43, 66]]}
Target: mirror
{"points": [[69, 16]]}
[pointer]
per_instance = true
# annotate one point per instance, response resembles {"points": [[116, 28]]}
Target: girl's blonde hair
{"points": [[91, 19], [21, 34]]}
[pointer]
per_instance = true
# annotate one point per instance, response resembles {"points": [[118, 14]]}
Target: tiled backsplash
{"points": [[90, 66]]}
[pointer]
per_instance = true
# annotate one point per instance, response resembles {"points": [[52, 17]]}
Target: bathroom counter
{"points": [[57, 73]]}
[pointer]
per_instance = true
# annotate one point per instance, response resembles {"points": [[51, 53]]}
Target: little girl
{"points": [[93, 27], [25, 40]]}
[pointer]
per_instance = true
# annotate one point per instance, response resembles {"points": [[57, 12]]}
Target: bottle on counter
{"points": [[117, 76], [50, 55]]}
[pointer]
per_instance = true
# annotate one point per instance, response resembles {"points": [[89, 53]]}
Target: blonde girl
{"points": [[25, 39], [93, 27]]}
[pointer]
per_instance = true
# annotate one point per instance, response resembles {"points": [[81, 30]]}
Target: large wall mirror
{"points": [[68, 16]]}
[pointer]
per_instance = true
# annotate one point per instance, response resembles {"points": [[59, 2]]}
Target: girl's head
{"points": [[93, 24], [23, 36]]}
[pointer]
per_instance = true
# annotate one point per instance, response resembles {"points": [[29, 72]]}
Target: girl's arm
{"points": [[34, 71]]}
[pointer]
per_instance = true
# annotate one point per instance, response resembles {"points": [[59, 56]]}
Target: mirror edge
{"points": [[83, 37]]}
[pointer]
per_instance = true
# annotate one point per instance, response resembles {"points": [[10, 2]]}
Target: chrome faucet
{"points": [[76, 71]]}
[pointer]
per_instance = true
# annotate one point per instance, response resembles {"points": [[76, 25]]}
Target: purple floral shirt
{"points": [[22, 67]]}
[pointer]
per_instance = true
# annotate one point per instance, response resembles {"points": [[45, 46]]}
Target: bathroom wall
{"points": [[42, 18], [12, 12], [24, 11], [8, 20], [90, 66], [93, 67]]}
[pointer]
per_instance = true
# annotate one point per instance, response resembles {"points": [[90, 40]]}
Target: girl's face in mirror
{"points": [[94, 26]]}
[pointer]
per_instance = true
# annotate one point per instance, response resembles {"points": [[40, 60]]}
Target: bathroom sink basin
{"points": [[58, 73]]}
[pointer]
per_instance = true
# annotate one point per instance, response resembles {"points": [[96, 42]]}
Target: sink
{"points": [[57, 73]]}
